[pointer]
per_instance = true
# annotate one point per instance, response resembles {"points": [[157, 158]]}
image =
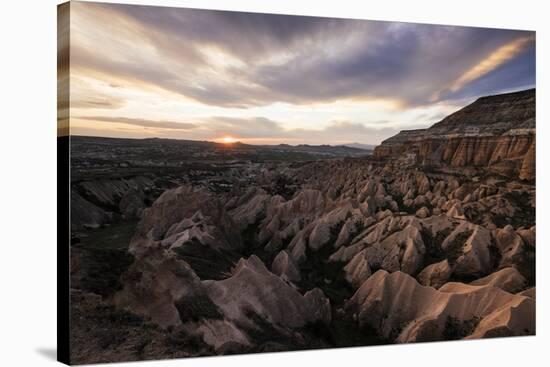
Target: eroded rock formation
{"points": [[495, 133], [336, 253], [401, 309]]}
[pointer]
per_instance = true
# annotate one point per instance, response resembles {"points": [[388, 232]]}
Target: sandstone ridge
{"points": [[494, 133]]}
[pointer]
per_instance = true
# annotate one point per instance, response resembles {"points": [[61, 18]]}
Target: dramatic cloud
{"points": [[497, 58], [171, 64]]}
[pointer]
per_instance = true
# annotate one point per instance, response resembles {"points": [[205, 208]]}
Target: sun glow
{"points": [[228, 140]]}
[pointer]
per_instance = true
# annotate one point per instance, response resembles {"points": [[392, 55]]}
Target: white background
{"points": [[28, 182]]}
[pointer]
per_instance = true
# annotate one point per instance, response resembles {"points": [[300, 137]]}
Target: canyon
{"points": [[430, 237]]}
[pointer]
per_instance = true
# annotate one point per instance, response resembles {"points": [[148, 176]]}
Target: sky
{"points": [[138, 71]]}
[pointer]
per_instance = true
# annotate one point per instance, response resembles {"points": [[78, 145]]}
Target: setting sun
{"points": [[228, 140]]}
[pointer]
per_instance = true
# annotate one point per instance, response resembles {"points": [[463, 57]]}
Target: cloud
{"points": [[97, 102], [187, 28], [172, 125], [514, 74], [342, 132], [260, 76], [494, 60], [406, 65], [263, 128], [246, 127], [254, 130], [234, 59]]}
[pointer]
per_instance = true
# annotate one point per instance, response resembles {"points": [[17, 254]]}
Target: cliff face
{"points": [[495, 133], [528, 166]]}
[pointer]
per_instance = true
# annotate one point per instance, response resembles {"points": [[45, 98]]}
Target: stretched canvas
{"points": [[234, 182]]}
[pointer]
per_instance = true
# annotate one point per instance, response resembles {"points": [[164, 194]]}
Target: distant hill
{"points": [[157, 152], [360, 146]]}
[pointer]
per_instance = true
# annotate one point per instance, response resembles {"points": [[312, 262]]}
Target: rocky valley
{"points": [[184, 249]]}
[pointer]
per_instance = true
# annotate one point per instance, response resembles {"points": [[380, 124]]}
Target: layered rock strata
{"points": [[495, 133]]}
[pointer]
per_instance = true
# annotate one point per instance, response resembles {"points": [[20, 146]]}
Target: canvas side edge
{"points": [[63, 183]]}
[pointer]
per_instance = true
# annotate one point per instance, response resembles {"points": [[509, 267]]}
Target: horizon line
{"points": [[221, 143]]}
